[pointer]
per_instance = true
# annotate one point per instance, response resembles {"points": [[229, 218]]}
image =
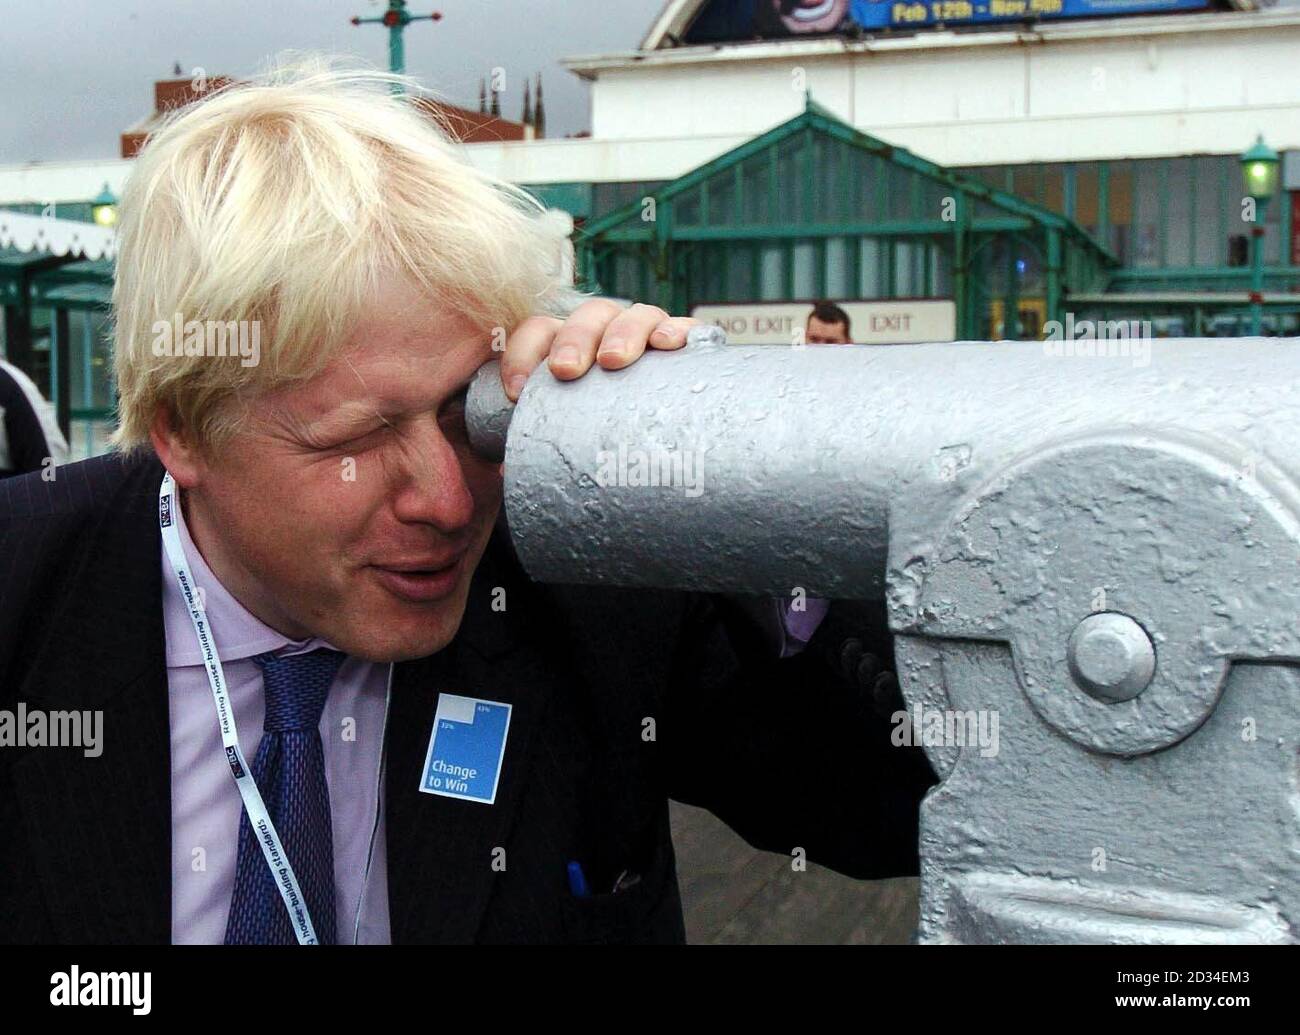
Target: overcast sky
{"points": [[75, 73]]}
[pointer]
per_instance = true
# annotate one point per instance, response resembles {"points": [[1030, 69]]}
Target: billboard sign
{"points": [[724, 21], [886, 14]]}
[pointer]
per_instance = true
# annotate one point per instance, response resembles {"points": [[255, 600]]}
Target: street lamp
{"points": [[104, 208], [395, 20], [1259, 175]]}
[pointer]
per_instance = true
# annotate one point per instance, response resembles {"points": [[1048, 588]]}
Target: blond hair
{"points": [[285, 201]]}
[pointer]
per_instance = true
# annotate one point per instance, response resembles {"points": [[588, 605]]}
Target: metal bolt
{"points": [[1111, 657]]}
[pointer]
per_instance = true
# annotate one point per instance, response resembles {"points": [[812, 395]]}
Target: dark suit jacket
{"points": [[85, 842]]}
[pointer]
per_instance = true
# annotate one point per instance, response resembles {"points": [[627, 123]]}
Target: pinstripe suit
{"points": [[85, 842]]}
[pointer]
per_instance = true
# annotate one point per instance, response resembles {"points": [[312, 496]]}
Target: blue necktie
{"points": [[290, 772]]}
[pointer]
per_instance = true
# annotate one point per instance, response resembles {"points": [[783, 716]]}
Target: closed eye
{"points": [[365, 439]]}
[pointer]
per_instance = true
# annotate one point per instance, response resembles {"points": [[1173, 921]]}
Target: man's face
{"points": [[350, 506], [821, 333]]}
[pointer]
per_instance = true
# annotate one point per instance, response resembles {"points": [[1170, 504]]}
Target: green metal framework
{"points": [[816, 208], [1169, 220], [1178, 226], [55, 311]]}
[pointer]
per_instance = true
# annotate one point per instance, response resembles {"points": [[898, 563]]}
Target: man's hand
{"points": [[598, 331]]}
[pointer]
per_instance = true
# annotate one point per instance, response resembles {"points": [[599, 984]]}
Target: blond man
{"points": [[335, 709]]}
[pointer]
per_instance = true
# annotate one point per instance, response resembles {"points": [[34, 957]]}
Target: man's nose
{"points": [[432, 488]]}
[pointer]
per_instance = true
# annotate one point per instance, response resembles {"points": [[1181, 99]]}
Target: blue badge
{"points": [[466, 748]]}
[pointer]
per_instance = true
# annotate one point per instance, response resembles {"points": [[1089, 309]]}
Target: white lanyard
{"points": [[263, 828]]}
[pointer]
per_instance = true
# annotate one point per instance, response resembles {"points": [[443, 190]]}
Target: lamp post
{"points": [[396, 19], [103, 209], [1259, 175]]}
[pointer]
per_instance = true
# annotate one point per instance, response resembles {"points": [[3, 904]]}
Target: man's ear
{"points": [[175, 448]]}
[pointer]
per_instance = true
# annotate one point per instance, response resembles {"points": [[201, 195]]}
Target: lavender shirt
{"points": [[206, 806]]}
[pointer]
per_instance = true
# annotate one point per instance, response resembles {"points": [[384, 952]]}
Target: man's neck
{"points": [[233, 576]]}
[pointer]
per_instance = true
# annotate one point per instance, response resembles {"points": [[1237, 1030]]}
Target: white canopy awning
{"points": [[56, 236]]}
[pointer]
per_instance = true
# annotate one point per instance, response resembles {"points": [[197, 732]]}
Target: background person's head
{"points": [[329, 485], [828, 324]]}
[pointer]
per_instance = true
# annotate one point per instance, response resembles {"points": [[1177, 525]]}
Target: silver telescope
{"points": [[1092, 548]]}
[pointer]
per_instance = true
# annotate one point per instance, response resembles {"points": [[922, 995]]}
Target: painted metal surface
{"points": [[1139, 498]]}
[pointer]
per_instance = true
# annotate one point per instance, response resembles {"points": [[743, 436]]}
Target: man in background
{"points": [[29, 433], [828, 324]]}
